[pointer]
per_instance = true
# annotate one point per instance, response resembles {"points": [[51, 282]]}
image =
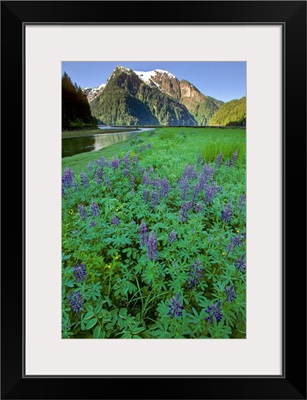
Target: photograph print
{"points": [[154, 200]]}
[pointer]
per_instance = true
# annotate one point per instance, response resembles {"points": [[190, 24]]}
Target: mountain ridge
{"points": [[154, 97]]}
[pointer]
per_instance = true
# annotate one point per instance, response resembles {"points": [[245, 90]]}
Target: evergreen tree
{"points": [[76, 113]]}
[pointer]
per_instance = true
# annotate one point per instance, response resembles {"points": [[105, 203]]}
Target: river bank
{"points": [[93, 132]]}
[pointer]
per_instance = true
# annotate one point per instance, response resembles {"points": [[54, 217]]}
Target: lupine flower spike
{"points": [[175, 306], [214, 311], [76, 301]]}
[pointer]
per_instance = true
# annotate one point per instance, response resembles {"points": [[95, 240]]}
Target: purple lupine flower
{"points": [[184, 188], [234, 242], [126, 172], [234, 157], [152, 246], [196, 191], [104, 161], [107, 182], [164, 187], [202, 182], [82, 211], [199, 159], [198, 208], [76, 301], [196, 274], [146, 179], [175, 306], [79, 272], [172, 236], [227, 213], [143, 234], [84, 179], [149, 146], [94, 209], [143, 169], [115, 162], [154, 199], [135, 159], [214, 311], [207, 173], [209, 193], [145, 195], [189, 172], [156, 183], [228, 163], [183, 213], [115, 221], [241, 201], [89, 166], [126, 161], [230, 293], [99, 175], [151, 169], [75, 185], [68, 178], [241, 264], [98, 162], [93, 223], [230, 247], [219, 189], [237, 240], [218, 160]]}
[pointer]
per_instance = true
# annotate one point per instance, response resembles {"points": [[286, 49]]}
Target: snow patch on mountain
{"points": [[146, 76], [161, 71]]}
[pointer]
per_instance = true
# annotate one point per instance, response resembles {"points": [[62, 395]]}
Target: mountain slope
{"points": [[127, 99], [232, 113], [200, 106]]}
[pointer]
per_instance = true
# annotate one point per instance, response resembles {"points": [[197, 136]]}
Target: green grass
{"points": [[176, 147]]}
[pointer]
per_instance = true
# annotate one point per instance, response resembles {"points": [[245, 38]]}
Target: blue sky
{"points": [[222, 80]]}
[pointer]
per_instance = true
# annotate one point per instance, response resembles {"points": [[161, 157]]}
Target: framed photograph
{"points": [[161, 155]]}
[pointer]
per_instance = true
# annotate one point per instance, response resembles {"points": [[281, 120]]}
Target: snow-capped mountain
{"points": [[150, 97], [91, 93]]}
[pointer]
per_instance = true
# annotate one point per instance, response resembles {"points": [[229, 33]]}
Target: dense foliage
{"points": [[203, 111], [232, 113], [154, 237], [76, 111]]}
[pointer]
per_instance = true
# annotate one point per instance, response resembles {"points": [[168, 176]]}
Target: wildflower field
{"points": [[154, 237]]}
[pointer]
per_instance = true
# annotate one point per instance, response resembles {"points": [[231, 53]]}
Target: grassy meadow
{"points": [[154, 237]]}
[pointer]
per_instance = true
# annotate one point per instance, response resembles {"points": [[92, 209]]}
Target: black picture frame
{"points": [[292, 384]]}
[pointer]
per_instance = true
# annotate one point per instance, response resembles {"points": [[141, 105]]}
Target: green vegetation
{"points": [[154, 237], [204, 111], [76, 113], [173, 143], [232, 113]]}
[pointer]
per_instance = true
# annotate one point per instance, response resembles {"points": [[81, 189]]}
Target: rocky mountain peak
{"points": [[157, 95]]}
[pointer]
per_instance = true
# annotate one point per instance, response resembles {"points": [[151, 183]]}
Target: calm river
{"points": [[77, 145]]}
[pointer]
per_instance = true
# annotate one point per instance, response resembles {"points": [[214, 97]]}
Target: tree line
{"points": [[76, 113]]}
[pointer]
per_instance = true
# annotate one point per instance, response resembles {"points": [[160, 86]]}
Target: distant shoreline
{"points": [[93, 132]]}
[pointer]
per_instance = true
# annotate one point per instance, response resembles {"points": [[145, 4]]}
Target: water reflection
{"points": [[77, 145]]}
